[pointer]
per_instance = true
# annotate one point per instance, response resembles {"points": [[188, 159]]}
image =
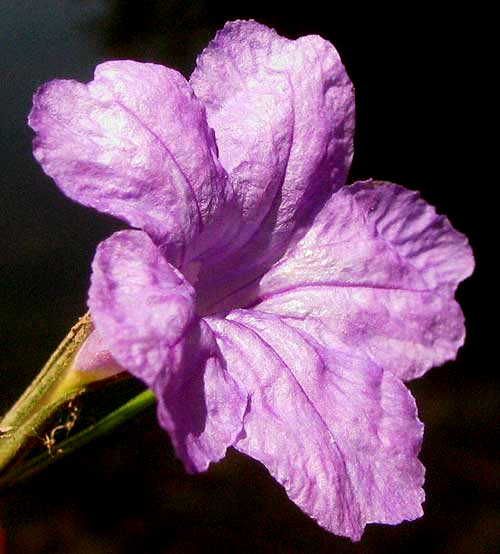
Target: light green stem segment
{"points": [[57, 387], [49, 379], [133, 407]]}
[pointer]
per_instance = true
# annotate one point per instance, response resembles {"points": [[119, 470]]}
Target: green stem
{"points": [[55, 387], [14, 445], [49, 377], [122, 414]]}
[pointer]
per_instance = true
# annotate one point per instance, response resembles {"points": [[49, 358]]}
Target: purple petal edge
{"points": [[284, 123], [339, 433], [133, 143], [377, 270]]}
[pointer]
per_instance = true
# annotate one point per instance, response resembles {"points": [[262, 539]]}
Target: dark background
{"points": [[417, 82]]}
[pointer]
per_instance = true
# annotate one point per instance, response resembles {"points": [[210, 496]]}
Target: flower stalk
{"points": [[43, 388], [119, 416], [53, 392]]}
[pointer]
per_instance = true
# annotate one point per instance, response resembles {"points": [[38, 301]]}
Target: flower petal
{"points": [[133, 143], [140, 304], [339, 433], [144, 310], [283, 114], [377, 270], [203, 407]]}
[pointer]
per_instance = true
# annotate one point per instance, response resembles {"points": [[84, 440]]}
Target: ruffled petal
{"points": [[133, 143], [377, 270], [140, 304], [338, 432], [144, 310], [283, 115]]}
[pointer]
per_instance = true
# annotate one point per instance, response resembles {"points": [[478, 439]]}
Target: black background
{"points": [[417, 80]]}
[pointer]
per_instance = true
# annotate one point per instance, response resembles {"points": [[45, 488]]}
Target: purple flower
{"points": [[270, 307]]}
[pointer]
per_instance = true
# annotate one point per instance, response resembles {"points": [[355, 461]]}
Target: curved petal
{"points": [[144, 310], [133, 143], [377, 270], [140, 304], [203, 407], [283, 115], [339, 433]]}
